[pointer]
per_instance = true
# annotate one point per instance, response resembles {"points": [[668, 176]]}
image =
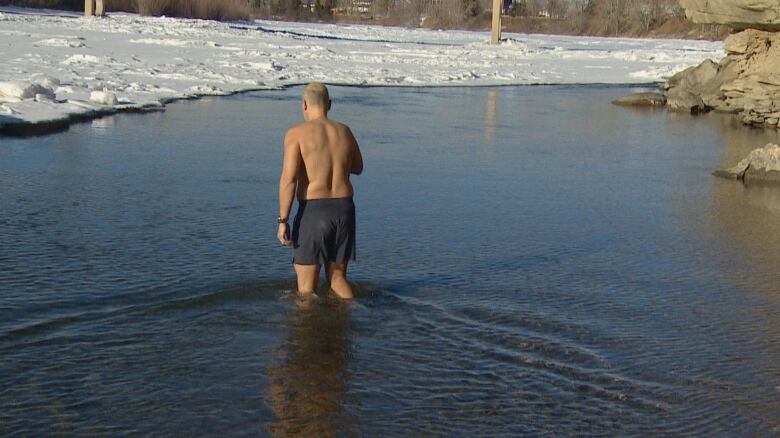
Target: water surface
{"points": [[531, 260]]}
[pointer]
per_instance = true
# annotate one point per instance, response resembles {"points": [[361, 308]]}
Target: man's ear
{"points": [[305, 105]]}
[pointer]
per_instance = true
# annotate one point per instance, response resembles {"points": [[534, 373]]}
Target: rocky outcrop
{"points": [[761, 165], [747, 80], [641, 99], [738, 14]]}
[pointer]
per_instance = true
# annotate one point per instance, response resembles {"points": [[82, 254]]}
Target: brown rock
{"points": [[681, 100], [641, 99], [761, 165], [739, 14], [747, 81]]}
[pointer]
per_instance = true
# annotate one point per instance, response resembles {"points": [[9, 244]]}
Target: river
{"points": [[530, 260]]}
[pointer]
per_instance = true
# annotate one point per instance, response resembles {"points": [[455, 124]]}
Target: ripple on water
{"points": [[506, 286]]}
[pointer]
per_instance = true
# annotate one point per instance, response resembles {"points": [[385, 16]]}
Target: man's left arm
{"points": [[288, 182]]}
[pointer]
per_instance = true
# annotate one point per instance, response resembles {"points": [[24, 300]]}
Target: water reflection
{"points": [[104, 123], [308, 386], [741, 139], [490, 127], [748, 215]]}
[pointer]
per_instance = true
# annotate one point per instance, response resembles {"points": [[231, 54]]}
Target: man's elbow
{"points": [[286, 182]]}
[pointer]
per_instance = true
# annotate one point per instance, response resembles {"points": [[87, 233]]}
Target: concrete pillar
{"points": [[89, 8], [495, 35], [100, 9]]}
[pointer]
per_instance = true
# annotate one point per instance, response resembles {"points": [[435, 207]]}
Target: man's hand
{"points": [[284, 234]]}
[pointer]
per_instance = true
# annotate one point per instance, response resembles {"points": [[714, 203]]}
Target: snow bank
{"points": [[14, 90], [128, 61]]}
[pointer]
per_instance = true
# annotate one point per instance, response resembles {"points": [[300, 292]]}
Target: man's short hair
{"points": [[316, 94]]}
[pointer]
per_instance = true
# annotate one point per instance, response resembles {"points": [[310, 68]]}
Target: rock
{"points": [[641, 99], [739, 14], [705, 82], [746, 82], [737, 44], [761, 165], [24, 90], [695, 77], [681, 100]]}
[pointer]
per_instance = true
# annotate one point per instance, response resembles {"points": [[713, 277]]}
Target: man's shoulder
{"points": [[340, 126], [295, 131], [296, 128]]}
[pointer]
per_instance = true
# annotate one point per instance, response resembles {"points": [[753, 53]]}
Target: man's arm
{"points": [[357, 157], [287, 183]]}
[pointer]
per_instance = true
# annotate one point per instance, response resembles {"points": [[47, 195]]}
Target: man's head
{"points": [[315, 100]]}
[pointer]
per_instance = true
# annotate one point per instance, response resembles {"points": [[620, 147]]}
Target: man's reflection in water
{"points": [[308, 386]]}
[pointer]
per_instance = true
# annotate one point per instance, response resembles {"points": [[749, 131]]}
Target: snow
{"points": [[19, 90], [135, 62], [103, 98]]}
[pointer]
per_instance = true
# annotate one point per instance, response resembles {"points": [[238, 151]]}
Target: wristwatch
{"points": [[282, 220]]}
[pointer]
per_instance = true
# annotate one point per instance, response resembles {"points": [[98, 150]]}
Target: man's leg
{"points": [[337, 276], [308, 276]]}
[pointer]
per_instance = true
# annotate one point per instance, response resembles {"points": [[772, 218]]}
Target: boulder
{"points": [[739, 14], [641, 99], [761, 165], [694, 78], [681, 100]]}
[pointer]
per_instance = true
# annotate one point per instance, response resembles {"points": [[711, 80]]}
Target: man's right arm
{"points": [[287, 183], [357, 157]]}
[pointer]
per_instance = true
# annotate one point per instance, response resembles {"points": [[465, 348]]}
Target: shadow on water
{"points": [[15, 127], [310, 378]]}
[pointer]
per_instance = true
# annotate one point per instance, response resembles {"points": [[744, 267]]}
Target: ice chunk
{"points": [[103, 98], [45, 80], [24, 90]]}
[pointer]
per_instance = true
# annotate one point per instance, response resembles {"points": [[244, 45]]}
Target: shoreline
{"points": [[28, 129], [61, 69]]}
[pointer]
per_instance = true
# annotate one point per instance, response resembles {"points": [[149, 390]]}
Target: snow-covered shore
{"points": [[57, 65]]}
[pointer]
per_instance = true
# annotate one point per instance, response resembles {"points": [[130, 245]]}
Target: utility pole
{"points": [[495, 35], [94, 8]]}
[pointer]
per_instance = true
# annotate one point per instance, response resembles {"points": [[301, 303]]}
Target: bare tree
{"points": [[556, 8], [648, 14]]}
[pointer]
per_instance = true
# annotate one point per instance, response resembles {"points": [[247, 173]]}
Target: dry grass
{"points": [[50, 4]]}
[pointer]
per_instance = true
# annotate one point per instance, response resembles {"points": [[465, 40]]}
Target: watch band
{"points": [[282, 220]]}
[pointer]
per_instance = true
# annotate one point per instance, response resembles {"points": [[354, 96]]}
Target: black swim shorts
{"points": [[324, 231]]}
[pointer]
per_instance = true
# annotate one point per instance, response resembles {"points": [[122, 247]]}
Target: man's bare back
{"points": [[329, 154], [319, 157]]}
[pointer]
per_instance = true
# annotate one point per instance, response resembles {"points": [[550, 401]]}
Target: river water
{"points": [[531, 260]]}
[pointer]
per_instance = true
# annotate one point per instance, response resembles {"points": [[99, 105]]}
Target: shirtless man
{"points": [[319, 156]]}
